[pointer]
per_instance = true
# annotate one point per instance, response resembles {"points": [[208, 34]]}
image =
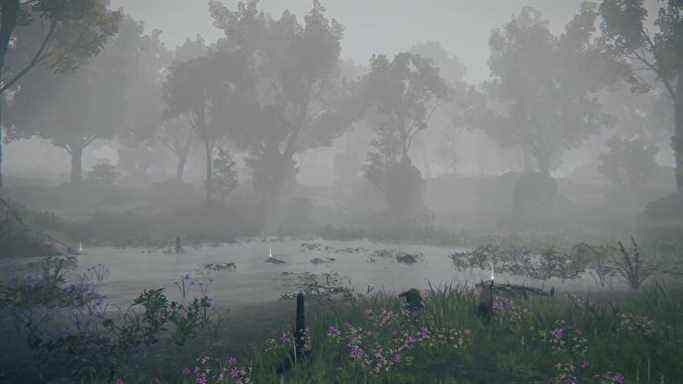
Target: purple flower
{"points": [[234, 372], [284, 338], [332, 331], [356, 352], [618, 378], [187, 371], [558, 333], [232, 360], [424, 333]]}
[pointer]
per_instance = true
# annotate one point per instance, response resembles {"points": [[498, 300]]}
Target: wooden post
{"points": [[300, 352], [300, 327], [491, 298], [178, 246], [485, 308]]}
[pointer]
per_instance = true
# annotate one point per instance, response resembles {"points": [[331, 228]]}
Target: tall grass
{"points": [[565, 339]]}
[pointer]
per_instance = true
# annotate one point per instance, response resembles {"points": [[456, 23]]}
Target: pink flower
{"points": [[119, 381], [187, 371], [584, 364]]}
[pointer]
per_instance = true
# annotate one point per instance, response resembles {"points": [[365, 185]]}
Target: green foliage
{"points": [[104, 173], [225, 178], [74, 109], [634, 265], [400, 96], [543, 87], [297, 99], [71, 332], [629, 163], [661, 52], [62, 44]]}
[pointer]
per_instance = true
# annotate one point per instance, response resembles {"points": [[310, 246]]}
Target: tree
{"points": [[61, 34], [441, 140], [176, 133], [629, 163], [104, 173], [145, 68], [177, 136], [225, 174], [207, 90], [400, 95], [543, 92], [79, 107], [301, 102], [626, 35]]}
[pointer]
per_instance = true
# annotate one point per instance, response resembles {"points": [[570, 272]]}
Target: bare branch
{"points": [[38, 57]]}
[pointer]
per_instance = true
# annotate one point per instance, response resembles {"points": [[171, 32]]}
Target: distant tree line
{"points": [[272, 88]]}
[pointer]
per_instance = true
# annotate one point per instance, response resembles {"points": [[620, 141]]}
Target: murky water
{"points": [[254, 281]]}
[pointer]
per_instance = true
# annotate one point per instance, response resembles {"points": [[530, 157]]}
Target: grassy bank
{"points": [[565, 339]]}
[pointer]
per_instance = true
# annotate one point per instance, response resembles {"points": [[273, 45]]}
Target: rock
{"points": [[273, 260], [220, 267], [407, 258], [414, 300], [318, 261]]}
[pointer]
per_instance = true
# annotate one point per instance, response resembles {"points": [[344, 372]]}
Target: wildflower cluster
{"points": [[636, 324], [610, 378], [502, 304], [564, 338], [393, 338], [209, 370], [569, 372], [383, 317]]}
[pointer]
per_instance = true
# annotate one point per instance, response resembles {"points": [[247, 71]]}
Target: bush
{"points": [[104, 173], [70, 332]]}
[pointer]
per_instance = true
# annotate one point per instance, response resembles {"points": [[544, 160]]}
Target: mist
{"points": [[341, 191]]}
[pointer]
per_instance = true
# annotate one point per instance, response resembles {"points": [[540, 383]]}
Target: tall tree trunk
{"points": [[76, 164], [209, 170], [677, 139], [10, 10], [1, 144], [183, 153], [180, 169]]}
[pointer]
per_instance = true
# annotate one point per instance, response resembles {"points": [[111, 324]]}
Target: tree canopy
{"points": [[627, 37], [544, 87]]}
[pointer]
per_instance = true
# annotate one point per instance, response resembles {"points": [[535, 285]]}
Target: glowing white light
{"points": [[493, 274]]}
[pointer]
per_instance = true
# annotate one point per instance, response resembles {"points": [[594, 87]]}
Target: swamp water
{"points": [[253, 281]]}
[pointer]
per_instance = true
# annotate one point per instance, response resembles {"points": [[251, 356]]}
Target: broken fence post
{"points": [[300, 351], [300, 326]]}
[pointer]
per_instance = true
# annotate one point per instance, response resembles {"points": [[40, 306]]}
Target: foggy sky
{"points": [[372, 26]]}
